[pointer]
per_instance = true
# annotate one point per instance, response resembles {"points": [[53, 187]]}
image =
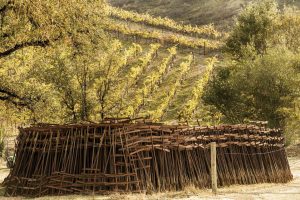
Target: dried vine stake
{"points": [[139, 157]]}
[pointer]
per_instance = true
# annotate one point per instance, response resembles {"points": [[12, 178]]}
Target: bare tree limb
{"points": [[23, 45], [12, 97]]}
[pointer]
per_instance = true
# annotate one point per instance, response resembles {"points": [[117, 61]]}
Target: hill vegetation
{"points": [[259, 77], [200, 12], [77, 61], [110, 64], [191, 11]]}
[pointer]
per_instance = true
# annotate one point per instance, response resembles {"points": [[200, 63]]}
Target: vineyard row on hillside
{"points": [[151, 75], [152, 81], [197, 91], [161, 22], [169, 95], [168, 38]]}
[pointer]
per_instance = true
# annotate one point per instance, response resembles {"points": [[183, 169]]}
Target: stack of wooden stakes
{"points": [[141, 157]]}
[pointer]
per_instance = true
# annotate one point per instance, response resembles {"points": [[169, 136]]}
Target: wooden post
{"points": [[213, 171]]}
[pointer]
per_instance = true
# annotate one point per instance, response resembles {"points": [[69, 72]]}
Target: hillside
{"points": [[219, 12], [164, 82], [128, 64]]}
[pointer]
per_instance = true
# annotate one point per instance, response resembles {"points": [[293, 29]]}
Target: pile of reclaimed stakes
{"points": [[141, 157]]}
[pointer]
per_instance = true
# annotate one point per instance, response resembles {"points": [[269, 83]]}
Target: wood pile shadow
{"points": [[140, 157]]}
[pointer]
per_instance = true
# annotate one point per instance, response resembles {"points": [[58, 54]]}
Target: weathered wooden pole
{"points": [[213, 171]]}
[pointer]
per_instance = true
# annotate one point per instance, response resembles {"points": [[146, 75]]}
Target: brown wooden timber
{"points": [[120, 156]]}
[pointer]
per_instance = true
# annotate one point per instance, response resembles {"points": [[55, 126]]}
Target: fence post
{"points": [[213, 154]]}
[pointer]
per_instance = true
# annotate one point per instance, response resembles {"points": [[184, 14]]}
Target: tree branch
{"points": [[11, 97], [23, 45]]}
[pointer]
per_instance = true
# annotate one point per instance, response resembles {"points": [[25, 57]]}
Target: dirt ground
{"points": [[289, 191]]}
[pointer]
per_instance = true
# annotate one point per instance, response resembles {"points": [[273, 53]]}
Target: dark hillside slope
{"points": [[219, 12]]}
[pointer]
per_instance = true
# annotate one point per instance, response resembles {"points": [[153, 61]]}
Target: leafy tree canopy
{"points": [[260, 76], [39, 42]]}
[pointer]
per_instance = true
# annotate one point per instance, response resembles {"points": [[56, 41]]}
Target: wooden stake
{"points": [[213, 153]]}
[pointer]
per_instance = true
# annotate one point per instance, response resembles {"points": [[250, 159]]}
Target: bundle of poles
{"points": [[142, 157]]}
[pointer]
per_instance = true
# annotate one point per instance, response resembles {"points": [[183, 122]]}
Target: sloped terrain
{"points": [[163, 85], [219, 12]]}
